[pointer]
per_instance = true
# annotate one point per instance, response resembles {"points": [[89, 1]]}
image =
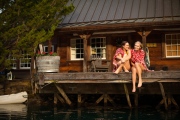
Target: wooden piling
{"points": [[163, 95], [55, 99], [79, 100], [105, 100], [136, 99], [127, 95]]}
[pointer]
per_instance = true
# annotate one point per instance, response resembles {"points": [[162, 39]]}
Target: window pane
{"points": [[168, 42], [169, 53], [168, 36], [168, 47], [174, 53], [174, 47], [179, 48], [178, 36], [174, 41], [174, 36]]}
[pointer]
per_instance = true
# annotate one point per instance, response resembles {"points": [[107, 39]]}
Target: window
{"points": [[25, 61], [98, 47], [172, 45], [13, 63], [77, 52], [46, 49]]}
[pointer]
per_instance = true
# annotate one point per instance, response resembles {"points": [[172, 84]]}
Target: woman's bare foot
{"points": [[134, 90], [126, 71], [140, 83]]}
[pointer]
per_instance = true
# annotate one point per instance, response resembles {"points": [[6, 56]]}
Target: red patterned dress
{"points": [[138, 56], [115, 60]]}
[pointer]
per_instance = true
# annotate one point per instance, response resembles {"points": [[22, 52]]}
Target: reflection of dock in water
{"points": [[13, 111]]}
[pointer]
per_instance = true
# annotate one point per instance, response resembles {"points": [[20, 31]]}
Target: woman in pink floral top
{"points": [[121, 58], [138, 64]]}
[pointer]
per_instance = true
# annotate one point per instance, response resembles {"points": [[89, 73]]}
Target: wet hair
{"points": [[123, 43], [141, 45]]}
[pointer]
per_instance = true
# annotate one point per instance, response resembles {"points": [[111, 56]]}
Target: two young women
{"points": [[126, 59]]}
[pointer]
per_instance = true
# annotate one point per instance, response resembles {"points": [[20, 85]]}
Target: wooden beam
{"points": [[60, 98], [174, 102], [127, 95], [163, 95], [99, 99], [111, 100], [64, 95], [144, 34], [85, 39]]}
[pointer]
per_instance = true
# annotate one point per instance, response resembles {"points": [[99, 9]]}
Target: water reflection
{"points": [[9, 111], [32, 112]]}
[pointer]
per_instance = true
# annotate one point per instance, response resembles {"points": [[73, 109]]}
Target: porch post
{"points": [[85, 38], [144, 34]]}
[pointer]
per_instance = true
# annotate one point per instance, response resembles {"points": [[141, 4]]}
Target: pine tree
{"points": [[26, 23]]}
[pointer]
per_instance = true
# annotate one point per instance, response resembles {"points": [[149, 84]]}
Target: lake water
{"points": [[31, 112]]}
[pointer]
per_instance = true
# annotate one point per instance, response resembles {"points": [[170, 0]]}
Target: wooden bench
{"points": [[99, 65]]}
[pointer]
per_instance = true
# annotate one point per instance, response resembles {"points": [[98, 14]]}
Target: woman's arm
{"points": [[127, 57]]}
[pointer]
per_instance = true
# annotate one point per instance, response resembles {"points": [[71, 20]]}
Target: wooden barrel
{"points": [[48, 63]]}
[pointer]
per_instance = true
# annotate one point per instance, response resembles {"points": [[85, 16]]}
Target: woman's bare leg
{"points": [[139, 72], [126, 66], [134, 79], [118, 70]]}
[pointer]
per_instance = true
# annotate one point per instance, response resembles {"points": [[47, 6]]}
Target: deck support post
{"points": [[79, 100], [136, 99], [127, 95], [64, 95], [55, 99], [105, 100], [163, 95], [170, 101]]}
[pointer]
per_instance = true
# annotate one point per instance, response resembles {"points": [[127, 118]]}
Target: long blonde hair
{"points": [[141, 45]]}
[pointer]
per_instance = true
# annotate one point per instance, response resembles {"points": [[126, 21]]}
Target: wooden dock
{"points": [[106, 83]]}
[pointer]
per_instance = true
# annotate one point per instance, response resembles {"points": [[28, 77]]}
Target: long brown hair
{"points": [[123, 43]]}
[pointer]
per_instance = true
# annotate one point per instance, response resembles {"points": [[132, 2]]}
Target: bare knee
{"points": [[133, 70]]}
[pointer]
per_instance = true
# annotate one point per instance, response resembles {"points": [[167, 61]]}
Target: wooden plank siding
{"points": [[157, 54]]}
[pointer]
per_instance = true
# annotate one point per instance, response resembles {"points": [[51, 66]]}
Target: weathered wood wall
{"points": [[157, 54]]}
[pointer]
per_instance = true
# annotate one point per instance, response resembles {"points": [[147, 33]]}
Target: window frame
{"points": [[171, 45], [27, 62], [46, 47], [71, 49], [104, 43]]}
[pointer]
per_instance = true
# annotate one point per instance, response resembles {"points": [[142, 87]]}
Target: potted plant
{"points": [[47, 62]]}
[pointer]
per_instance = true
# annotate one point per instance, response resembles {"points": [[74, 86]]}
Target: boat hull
{"points": [[14, 98]]}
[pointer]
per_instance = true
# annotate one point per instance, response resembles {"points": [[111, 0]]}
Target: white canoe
{"points": [[14, 98]]}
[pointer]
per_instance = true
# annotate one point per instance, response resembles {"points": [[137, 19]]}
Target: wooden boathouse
{"points": [[87, 39]]}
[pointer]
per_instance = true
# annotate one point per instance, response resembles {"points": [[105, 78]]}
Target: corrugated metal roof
{"points": [[92, 12]]}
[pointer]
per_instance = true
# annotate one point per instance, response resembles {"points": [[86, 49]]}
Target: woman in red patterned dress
{"points": [[121, 58], [138, 64]]}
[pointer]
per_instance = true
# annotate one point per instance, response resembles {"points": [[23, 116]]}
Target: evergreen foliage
{"points": [[26, 23]]}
